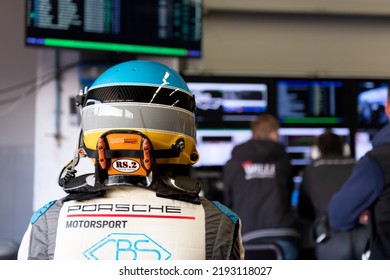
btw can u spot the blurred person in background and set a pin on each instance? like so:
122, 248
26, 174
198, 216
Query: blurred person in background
330, 168
365, 196
258, 185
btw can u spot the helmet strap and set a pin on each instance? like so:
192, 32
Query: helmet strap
127, 158
69, 169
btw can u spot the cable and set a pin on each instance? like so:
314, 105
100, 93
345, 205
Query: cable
16, 100
21, 85
33, 81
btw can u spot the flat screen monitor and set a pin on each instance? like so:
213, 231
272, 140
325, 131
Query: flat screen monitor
313, 102
215, 145
225, 103
371, 99
299, 142
164, 27
363, 141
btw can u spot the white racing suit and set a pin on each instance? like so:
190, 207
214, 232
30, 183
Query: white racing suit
132, 224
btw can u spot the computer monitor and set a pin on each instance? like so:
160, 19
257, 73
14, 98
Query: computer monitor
371, 99
363, 141
169, 28
312, 101
215, 145
228, 101
299, 142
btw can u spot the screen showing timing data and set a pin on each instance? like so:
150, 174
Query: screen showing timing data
316, 102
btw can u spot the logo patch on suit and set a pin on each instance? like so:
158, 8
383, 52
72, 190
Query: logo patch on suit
127, 246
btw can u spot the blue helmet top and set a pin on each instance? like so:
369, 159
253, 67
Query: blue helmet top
141, 72
147, 97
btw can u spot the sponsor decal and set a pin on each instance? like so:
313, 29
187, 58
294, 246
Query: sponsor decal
258, 170
126, 210
95, 224
123, 207
127, 246
130, 140
125, 165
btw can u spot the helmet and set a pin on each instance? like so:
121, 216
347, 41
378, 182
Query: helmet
144, 99
138, 126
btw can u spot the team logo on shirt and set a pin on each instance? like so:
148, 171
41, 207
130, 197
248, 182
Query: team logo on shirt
126, 246
258, 170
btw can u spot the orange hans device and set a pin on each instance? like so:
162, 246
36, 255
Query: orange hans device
121, 145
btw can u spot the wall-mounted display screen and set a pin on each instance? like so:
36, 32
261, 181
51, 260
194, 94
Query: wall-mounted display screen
228, 103
299, 142
215, 145
371, 99
164, 27
363, 141
311, 101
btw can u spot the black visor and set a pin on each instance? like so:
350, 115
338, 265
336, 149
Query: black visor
142, 94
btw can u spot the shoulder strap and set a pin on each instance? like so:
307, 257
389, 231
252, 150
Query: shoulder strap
44, 231
222, 232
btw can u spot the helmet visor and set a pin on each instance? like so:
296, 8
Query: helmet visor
143, 94
138, 116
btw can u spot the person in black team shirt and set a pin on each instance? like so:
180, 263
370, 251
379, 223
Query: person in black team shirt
331, 167
258, 184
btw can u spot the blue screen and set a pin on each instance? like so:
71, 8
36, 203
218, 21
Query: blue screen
371, 99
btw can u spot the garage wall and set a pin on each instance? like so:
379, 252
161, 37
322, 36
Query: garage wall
17, 113
295, 38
